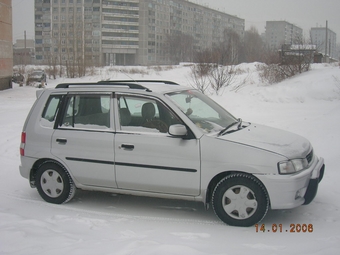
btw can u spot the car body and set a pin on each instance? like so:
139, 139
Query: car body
160, 139
36, 76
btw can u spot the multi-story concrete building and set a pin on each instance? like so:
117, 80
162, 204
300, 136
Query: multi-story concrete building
279, 33
117, 32
6, 49
67, 31
319, 37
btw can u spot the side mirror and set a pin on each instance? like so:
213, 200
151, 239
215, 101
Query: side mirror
178, 130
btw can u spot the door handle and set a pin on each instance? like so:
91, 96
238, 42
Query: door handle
61, 140
127, 146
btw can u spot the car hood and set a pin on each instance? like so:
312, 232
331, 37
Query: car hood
270, 139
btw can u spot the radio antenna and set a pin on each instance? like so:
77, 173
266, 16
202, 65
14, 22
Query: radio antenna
127, 75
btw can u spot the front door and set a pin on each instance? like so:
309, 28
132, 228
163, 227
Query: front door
149, 159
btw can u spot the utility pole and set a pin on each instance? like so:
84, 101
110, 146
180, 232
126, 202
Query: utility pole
326, 41
25, 52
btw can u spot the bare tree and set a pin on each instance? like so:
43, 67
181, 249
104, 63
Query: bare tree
215, 65
221, 77
254, 46
199, 79
227, 52
52, 69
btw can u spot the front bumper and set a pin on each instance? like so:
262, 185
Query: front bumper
313, 185
290, 191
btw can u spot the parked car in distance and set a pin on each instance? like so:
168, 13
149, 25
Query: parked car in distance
36, 76
160, 139
17, 78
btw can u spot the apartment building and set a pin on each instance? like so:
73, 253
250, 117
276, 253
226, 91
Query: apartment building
161, 19
325, 41
117, 32
6, 49
279, 33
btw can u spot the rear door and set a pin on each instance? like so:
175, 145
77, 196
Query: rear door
84, 139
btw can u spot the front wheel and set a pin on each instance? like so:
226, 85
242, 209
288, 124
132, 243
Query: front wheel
54, 183
240, 200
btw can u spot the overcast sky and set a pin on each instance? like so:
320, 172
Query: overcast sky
303, 13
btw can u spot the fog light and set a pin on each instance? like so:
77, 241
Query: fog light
300, 193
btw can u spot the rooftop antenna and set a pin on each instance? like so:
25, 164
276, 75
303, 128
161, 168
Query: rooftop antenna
128, 76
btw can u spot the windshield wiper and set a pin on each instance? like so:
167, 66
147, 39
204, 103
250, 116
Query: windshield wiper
224, 130
239, 124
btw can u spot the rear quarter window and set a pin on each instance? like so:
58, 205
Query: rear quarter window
87, 112
50, 111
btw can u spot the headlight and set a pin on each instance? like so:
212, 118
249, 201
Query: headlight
292, 166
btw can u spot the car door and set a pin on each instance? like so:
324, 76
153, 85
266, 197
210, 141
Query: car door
147, 158
84, 139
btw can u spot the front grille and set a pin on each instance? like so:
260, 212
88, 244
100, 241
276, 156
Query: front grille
309, 157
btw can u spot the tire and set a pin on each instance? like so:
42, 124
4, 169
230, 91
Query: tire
54, 183
240, 200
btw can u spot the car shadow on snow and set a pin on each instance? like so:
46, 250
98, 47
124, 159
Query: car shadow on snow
170, 209
139, 206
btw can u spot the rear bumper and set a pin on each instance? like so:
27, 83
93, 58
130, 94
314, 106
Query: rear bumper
26, 166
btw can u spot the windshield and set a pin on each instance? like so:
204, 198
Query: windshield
203, 111
37, 73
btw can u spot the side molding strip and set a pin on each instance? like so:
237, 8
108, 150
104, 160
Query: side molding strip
189, 170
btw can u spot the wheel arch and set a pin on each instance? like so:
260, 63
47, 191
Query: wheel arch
217, 178
39, 163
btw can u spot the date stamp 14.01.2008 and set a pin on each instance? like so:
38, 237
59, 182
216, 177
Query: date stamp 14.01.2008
280, 228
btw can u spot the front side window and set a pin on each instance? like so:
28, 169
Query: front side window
201, 110
143, 114
87, 112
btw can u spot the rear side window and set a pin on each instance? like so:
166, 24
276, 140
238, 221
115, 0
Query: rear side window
50, 111
87, 112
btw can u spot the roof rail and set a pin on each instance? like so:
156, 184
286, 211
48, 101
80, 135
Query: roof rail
67, 85
141, 81
105, 83
132, 84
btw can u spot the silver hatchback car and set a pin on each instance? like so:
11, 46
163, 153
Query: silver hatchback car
160, 139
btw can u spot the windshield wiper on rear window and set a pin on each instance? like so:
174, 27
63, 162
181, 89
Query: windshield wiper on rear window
224, 130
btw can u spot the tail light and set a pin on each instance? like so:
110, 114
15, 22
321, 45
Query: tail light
22, 145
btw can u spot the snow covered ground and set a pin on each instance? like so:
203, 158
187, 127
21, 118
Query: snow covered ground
103, 223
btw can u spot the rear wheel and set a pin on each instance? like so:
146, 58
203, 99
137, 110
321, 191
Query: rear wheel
54, 183
240, 200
